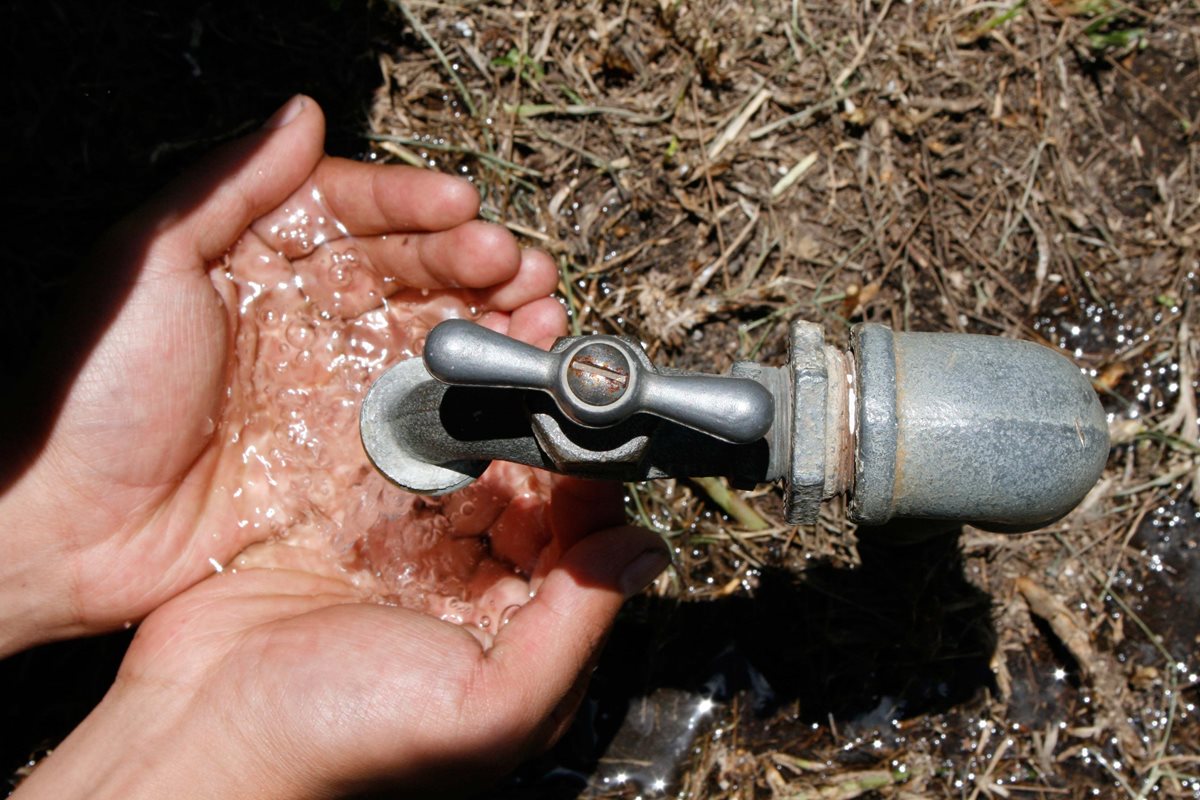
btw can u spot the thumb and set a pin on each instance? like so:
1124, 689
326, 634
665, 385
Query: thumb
539, 658
580, 507
205, 212
577, 509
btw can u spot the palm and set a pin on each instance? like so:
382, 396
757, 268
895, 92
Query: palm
144, 439
212, 425
217, 409
380, 693
319, 670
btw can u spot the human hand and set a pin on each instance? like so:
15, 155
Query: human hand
235, 324
281, 683
218, 410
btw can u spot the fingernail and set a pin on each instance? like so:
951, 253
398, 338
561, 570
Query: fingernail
288, 112
641, 571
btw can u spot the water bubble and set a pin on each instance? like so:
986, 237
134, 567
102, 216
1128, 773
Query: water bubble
300, 335
292, 415
340, 273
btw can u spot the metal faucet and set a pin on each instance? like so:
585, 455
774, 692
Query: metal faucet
1005, 434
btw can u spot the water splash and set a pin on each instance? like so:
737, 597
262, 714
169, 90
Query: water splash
316, 323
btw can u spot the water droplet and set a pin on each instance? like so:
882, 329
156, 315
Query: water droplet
300, 335
340, 273
508, 613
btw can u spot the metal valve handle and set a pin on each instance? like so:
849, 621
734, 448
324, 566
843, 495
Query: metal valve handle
600, 381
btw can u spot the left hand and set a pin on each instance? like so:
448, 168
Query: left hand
216, 410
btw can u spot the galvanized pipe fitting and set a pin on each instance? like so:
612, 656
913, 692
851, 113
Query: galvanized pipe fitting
994, 431
1005, 434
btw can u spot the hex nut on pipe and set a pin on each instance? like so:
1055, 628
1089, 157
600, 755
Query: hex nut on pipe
806, 475
1004, 434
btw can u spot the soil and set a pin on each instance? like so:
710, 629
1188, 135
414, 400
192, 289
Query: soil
705, 171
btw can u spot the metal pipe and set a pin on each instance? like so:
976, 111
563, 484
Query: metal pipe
1001, 433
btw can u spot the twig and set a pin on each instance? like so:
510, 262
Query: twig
1036, 160
401, 152
731, 504
525, 230
707, 171
735, 127
707, 273
619, 163
526, 110
794, 174
801, 117
437, 51
855, 62
1043, 259
454, 148
1163, 480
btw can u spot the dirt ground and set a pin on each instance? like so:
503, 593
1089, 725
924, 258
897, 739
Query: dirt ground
705, 172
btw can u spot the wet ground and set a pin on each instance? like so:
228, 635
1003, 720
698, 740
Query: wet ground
1053, 198
876, 676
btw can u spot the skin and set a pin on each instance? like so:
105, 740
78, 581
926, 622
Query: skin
280, 681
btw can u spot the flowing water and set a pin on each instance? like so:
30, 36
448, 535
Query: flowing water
316, 323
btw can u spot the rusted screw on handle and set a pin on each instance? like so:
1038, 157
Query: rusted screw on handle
598, 374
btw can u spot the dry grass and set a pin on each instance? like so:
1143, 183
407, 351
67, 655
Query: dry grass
704, 171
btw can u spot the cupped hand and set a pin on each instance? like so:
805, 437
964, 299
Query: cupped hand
265, 289
281, 683
205, 463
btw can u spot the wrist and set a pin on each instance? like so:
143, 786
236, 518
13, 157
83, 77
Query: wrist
35, 587
152, 742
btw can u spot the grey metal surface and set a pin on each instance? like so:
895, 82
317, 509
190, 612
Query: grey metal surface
598, 374
735, 410
1005, 434
390, 403
876, 430
806, 477
777, 381
993, 431
462, 353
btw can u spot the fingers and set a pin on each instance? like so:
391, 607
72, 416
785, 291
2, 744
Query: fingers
214, 204
538, 657
349, 277
538, 322
369, 199
417, 202
536, 277
577, 508
603, 502
473, 255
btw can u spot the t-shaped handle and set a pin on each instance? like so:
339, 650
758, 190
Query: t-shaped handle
599, 381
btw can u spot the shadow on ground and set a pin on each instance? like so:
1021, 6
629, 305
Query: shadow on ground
903, 634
